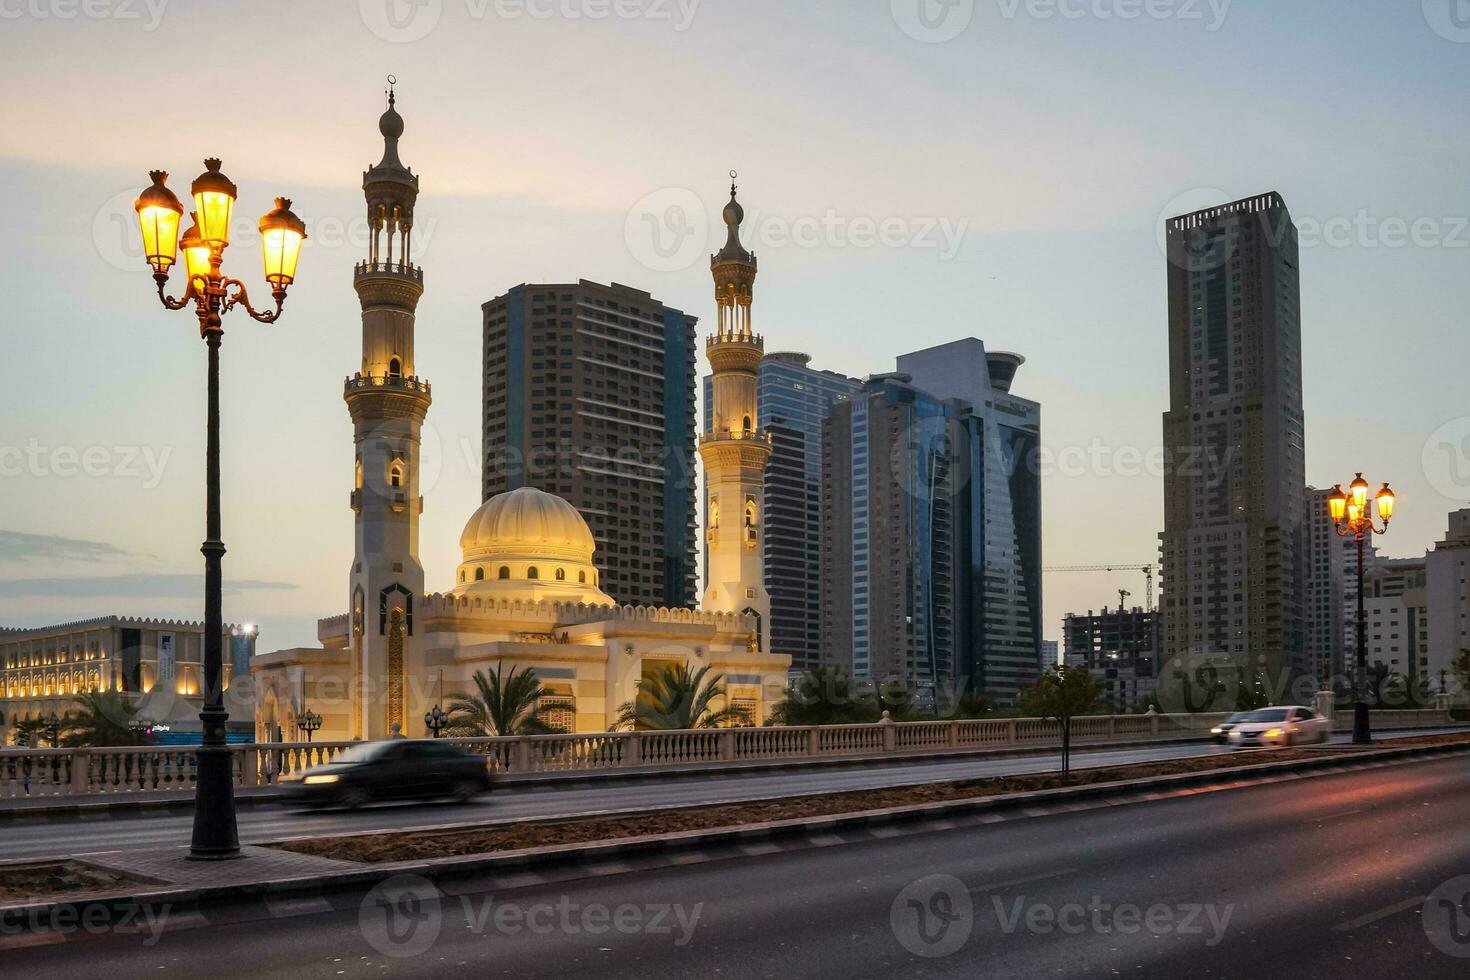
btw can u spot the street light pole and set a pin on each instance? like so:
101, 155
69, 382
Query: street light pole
1352, 514
215, 835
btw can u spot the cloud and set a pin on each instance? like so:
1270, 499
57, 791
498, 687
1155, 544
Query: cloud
14, 544
128, 587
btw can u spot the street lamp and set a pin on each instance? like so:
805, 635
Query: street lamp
213, 295
1352, 515
53, 729
309, 722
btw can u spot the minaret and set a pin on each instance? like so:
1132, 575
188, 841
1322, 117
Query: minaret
734, 448
388, 403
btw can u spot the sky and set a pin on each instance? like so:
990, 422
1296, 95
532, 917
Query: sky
913, 172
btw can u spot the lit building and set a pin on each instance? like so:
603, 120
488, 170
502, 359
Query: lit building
1118, 647
1233, 440
1331, 589
528, 592
931, 531
794, 399
154, 661
589, 394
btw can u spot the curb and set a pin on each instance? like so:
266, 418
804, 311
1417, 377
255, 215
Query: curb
195, 900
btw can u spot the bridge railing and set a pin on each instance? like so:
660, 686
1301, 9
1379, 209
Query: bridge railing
153, 769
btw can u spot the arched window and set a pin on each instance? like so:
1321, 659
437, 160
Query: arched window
461, 574
357, 476
746, 423
533, 572
395, 368
582, 577
395, 476
479, 575
504, 572
561, 574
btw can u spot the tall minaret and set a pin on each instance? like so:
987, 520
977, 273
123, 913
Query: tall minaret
734, 447
388, 402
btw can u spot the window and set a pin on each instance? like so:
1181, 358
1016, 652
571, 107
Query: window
395, 476
533, 572
395, 368
561, 574
479, 575
582, 577
504, 572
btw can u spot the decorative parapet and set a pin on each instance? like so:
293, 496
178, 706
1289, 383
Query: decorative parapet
332, 626
445, 604
107, 622
407, 270
384, 382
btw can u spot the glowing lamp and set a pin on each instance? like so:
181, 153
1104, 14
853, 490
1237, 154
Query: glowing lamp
1354, 515
214, 200
281, 234
1337, 504
196, 253
1359, 489
158, 218
1384, 499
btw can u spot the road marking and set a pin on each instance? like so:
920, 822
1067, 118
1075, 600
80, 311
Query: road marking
1371, 917
1345, 813
997, 886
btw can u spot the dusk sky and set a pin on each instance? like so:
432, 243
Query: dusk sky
995, 168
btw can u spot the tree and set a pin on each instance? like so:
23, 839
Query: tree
824, 696
1461, 668
101, 718
28, 730
672, 699
1059, 695
502, 704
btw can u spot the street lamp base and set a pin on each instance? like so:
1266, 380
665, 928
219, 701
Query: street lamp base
215, 835
1362, 734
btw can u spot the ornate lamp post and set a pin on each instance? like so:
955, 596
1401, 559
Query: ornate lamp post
213, 295
1352, 515
53, 729
309, 722
436, 719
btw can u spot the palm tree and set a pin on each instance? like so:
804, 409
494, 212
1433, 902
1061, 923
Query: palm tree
503, 704
101, 718
824, 695
673, 699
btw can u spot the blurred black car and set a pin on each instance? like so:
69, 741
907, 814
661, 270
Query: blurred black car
397, 769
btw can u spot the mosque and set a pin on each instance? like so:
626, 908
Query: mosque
526, 592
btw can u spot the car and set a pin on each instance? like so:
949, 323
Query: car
395, 769
1221, 732
1283, 726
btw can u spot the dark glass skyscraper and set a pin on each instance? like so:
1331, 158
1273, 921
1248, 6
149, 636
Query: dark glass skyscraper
589, 394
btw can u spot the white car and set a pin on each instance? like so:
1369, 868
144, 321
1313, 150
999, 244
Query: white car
1279, 726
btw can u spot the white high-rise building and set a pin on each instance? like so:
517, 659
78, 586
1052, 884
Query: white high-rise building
1449, 595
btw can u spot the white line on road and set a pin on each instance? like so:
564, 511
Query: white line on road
1371, 917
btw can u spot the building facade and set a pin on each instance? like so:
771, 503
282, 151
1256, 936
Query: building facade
794, 399
1330, 583
1448, 585
589, 394
156, 662
931, 532
1396, 606
1234, 440
1119, 647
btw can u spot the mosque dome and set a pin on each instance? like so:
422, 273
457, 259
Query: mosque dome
530, 543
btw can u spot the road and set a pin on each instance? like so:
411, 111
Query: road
61, 836
1321, 877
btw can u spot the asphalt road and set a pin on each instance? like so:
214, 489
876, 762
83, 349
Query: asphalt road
1321, 877
70, 836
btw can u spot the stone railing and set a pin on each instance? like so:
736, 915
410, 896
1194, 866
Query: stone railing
150, 769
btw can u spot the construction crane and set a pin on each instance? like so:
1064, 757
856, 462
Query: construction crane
1146, 569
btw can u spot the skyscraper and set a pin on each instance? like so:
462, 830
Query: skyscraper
794, 399
931, 532
1232, 547
589, 394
